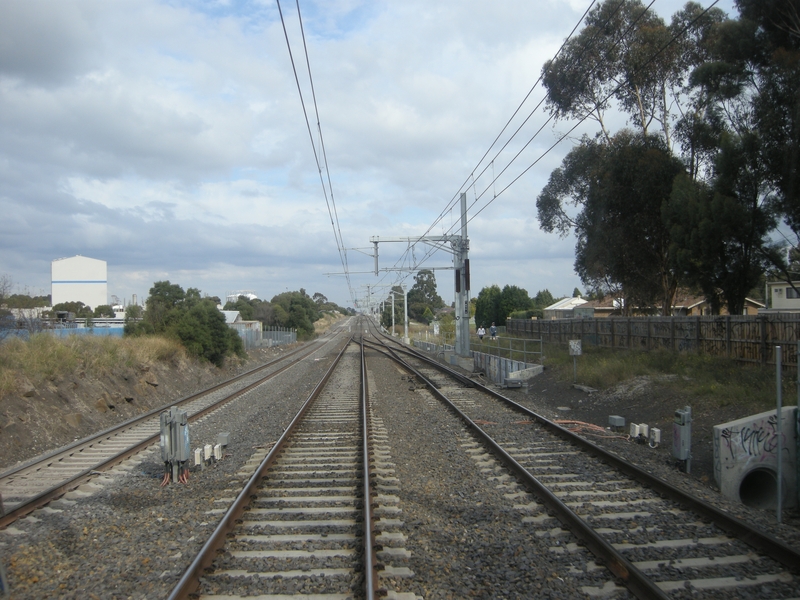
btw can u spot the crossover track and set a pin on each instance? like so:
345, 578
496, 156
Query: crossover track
301, 524
654, 539
34, 484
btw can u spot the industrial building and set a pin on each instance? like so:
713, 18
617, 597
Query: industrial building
79, 279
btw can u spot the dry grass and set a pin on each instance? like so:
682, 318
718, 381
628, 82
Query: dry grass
718, 380
324, 323
45, 357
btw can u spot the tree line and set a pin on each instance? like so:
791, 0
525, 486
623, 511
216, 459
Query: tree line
196, 321
187, 315
423, 301
492, 304
690, 193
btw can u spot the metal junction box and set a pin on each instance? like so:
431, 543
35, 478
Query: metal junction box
175, 436
682, 434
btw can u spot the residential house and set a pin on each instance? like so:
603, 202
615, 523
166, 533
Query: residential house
563, 309
784, 297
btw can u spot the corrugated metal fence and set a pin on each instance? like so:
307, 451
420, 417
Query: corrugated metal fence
744, 338
272, 336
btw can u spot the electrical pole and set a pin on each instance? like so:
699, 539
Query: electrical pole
406, 339
459, 247
461, 266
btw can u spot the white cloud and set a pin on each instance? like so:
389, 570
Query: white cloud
167, 138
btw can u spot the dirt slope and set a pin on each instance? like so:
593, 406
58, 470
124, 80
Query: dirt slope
40, 419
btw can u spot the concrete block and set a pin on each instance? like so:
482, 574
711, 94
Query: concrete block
528, 373
745, 459
616, 421
223, 438
512, 383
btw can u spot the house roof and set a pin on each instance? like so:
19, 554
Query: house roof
682, 300
231, 316
566, 304
687, 301
607, 303
774, 283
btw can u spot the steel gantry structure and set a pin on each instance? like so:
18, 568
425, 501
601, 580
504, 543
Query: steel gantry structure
458, 246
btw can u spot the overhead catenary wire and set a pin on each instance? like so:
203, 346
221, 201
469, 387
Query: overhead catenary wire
331, 204
491, 185
491, 164
586, 116
585, 49
448, 208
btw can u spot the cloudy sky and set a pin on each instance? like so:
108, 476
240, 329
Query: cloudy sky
168, 139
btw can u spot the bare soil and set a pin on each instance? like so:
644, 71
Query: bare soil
639, 400
44, 418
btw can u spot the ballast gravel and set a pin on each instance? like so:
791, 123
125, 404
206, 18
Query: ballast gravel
464, 525
122, 536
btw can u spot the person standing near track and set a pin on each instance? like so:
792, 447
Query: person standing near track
481, 332
493, 332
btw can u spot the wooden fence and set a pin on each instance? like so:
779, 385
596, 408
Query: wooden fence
745, 338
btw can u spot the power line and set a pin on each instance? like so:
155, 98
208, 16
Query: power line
586, 116
519, 128
452, 202
560, 139
331, 205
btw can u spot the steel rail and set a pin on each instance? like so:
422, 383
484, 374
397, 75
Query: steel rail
190, 580
370, 555
637, 582
755, 538
143, 417
76, 480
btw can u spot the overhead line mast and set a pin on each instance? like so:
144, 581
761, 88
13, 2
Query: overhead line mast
459, 247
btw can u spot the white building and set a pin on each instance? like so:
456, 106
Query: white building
79, 279
563, 308
234, 296
784, 296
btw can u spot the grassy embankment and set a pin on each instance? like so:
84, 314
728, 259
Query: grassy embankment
45, 358
718, 380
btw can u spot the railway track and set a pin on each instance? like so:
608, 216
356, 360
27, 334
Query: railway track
38, 482
651, 539
495, 509
301, 525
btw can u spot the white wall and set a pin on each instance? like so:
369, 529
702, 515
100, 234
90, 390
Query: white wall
79, 279
779, 292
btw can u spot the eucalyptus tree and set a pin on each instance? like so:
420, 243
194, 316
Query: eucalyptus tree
627, 57
619, 190
744, 121
487, 306
423, 295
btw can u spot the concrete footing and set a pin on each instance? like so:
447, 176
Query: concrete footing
499, 370
461, 362
745, 459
